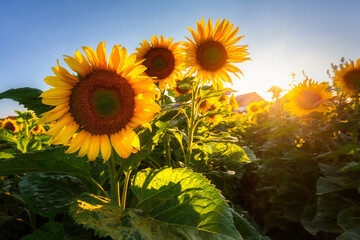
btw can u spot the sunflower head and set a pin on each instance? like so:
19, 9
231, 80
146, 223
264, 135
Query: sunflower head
212, 52
307, 97
233, 102
215, 119
163, 59
347, 77
180, 89
256, 107
208, 104
38, 129
102, 105
11, 125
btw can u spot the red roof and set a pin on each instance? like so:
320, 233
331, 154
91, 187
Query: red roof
245, 99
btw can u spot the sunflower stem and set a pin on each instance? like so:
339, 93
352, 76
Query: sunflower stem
115, 191
191, 126
167, 149
356, 129
125, 188
166, 136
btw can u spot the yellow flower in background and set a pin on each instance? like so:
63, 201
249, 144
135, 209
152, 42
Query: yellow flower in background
102, 105
38, 129
212, 51
163, 59
256, 107
209, 104
11, 125
180, 91
214, 119
348, 77
307, 97
233, 102
224, 99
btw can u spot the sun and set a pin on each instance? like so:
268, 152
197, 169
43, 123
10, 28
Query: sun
212, 52
98, 109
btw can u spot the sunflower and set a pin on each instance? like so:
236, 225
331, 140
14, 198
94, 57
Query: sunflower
233, 102
11, 125
214, 119
163, 59
38, 129
180, 90
102, 105
348, 77
208, 104
256, 107
211, 54
307, 97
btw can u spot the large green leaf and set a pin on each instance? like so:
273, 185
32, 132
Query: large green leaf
29, 97
349, 218
51, 230
351, 234
184, 198
49, 194
52, 160
107, 219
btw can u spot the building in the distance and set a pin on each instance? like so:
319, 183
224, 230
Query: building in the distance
244, 100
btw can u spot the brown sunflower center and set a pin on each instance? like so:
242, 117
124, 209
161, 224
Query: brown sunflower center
308, 99
211, 55
160, 62
182, 90
102, 103
10, 126
254, 108
352, 79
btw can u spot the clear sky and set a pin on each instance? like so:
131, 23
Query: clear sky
284, 37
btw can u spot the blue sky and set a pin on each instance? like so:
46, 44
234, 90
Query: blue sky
284, 37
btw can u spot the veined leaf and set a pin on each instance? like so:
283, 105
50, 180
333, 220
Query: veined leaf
51, 230
52, 160
49, 194
107, 219
184, 198
29, 97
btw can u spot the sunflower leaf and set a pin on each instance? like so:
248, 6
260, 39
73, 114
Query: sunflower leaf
52, 160
183, 198
49, 194
51, 230
29, 97
107, 219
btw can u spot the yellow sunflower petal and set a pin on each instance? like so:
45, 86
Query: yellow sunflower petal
105, 147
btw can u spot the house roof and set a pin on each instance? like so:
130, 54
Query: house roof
244, 99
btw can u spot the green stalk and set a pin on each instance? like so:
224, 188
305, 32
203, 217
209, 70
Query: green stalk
125, 188
191, 126
115, 191
356, 129
167, 149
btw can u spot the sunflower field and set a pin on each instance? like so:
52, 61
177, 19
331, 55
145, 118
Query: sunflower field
151, 145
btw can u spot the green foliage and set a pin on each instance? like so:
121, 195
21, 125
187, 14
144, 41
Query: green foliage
110, 220
49, 194
52, 160
51, 230
182, 197
29, 97
175, 203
